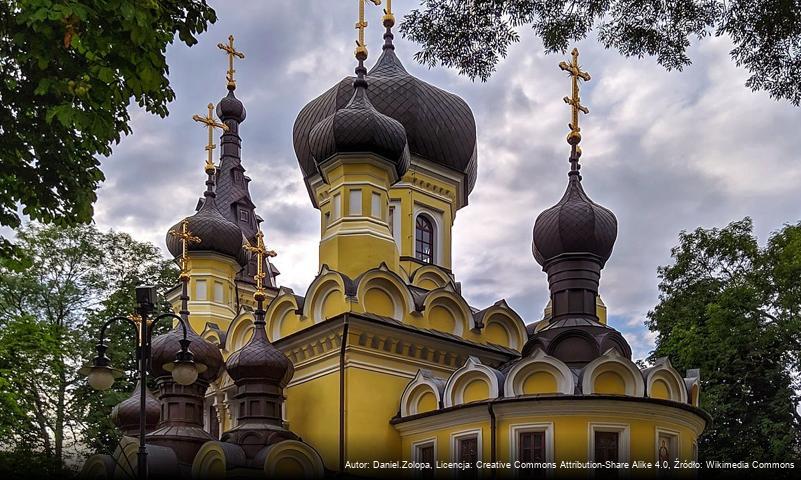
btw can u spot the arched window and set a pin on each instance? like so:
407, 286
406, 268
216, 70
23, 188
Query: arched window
424, 239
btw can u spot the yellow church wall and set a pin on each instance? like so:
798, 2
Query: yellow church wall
475, 390
571, 432
427, 402
378, 302
659, 389
441, 318
355, 238
610, 382
539, 383
418, 192
312, 410
495, 333
372, 399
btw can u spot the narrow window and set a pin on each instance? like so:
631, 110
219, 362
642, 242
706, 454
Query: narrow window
375, 205
424, 454
218, 292
467, 453
214, 424
531, 447
355, 202
606, 446
336, 208
244, 215
391, 220
424, 239
200, 290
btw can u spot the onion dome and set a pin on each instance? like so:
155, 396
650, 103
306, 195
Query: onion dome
216, 233
164, 348
260, 361
125, 414
439, 125
230, 108
575, 224
359, 127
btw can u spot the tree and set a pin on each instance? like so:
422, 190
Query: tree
474, 35
50, 315
68, 71
732, 309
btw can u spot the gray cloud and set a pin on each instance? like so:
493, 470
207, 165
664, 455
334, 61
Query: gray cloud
666, 151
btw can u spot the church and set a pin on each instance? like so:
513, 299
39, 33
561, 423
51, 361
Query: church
381, 360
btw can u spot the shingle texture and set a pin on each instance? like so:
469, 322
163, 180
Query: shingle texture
575, 224
359, 127
439, 125
125, 414
164, 348
216, 233
260, 361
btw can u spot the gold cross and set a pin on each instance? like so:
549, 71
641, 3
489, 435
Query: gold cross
232, 52
576, 74
361, 47
209, 122
186, 237
261, 251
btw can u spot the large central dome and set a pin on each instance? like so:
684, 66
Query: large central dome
439, 125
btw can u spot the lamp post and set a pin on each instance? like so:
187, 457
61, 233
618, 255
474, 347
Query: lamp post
184, 369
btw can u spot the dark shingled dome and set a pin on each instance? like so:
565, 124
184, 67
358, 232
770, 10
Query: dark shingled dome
439, 125
125, 414
216, 234
230, 108
259, 360
360, 128
575, 224
165, 347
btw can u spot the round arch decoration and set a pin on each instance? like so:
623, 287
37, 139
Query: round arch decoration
537, 362
391, 285
663, 371
423, 382
613, 361
453, 303
471, 371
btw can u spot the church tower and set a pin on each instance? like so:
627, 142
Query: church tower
441, 134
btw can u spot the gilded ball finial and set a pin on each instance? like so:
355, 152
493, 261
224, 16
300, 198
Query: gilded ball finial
361, 25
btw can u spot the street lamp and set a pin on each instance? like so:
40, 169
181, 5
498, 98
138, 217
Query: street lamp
101, 374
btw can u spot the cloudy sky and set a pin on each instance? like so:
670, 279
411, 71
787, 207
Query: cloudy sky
666, 151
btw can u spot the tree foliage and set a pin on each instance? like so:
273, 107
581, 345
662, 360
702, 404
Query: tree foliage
68, 71
474, 35
50, 315
733, 309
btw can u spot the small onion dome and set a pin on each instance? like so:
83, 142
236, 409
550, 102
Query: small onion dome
165, 347
440, 126
216, 233
230, 108
359, 127
125, 414
575, 225
260, 361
